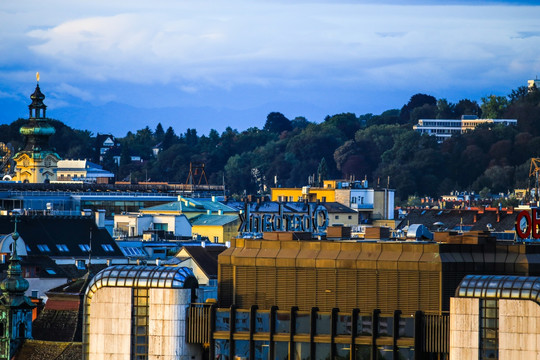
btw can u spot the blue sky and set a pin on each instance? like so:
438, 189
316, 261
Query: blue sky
114, 66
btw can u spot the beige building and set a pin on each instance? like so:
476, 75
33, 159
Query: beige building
139, 312
496, 316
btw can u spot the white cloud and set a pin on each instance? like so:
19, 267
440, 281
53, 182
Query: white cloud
209, 44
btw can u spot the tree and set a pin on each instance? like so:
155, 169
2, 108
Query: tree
467, 107
277, 123
493, 106
159, 133
445, 110
416, 100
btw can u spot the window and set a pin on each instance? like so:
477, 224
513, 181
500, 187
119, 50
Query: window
353, 200
489, 329
81, 264
324, 199
161, 226
62, 247
35, 293
28, 248
84, 247
350, 217
50, 271
337, 217
107, 247
139, 323
43, 248
216, 239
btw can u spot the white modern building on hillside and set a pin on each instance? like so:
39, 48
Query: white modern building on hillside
445, 128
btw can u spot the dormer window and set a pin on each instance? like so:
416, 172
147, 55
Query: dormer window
107, 247
62, 247
43, 248
84, 247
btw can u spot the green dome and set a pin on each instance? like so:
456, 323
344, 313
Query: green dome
37, 129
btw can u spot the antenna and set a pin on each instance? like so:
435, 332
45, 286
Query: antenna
90, 251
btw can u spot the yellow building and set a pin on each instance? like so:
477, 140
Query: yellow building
217, 228
36, 163
311, 194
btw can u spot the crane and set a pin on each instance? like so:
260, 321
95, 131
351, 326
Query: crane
534, 170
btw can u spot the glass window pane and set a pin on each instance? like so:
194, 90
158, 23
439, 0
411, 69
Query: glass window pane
242, 321
262, 350
281, 350
241, 349
322, 351
221, 349
363, 352
283, 322
303, 323
302, 351
343, 351
364, 326
262, 322
344, 324
323, 324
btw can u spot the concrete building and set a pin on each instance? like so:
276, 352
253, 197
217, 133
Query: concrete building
216, 228
495, 317
370, 203
445, 128
129, 225
139, 312
82, 171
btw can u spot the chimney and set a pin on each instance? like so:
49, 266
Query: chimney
100, 218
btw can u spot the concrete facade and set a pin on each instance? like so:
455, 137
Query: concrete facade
167, 326
110, 324
464, 328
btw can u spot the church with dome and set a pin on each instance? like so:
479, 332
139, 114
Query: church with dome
36, 162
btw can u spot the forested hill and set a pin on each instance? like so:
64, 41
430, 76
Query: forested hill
290, 151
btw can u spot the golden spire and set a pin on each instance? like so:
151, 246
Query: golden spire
37, 76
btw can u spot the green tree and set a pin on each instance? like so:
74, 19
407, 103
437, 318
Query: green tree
277, 123
493, 107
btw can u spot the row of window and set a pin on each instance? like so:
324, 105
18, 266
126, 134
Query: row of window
64, 248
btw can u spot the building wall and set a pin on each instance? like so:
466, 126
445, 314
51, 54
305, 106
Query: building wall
167, 325
110, 333
209, 231
464, 328
345, 219
110, 324
343, 196
519, 329
383, 204
295, 194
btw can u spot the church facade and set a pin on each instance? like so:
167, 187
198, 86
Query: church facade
36, 162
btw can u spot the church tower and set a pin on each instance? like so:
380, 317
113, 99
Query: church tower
36, 162
15, 307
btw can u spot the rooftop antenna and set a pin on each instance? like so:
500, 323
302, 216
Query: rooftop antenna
90, 251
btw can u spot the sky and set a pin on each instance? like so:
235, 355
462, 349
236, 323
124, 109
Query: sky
117, 66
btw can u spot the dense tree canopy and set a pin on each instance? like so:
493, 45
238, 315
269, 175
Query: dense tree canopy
380, 148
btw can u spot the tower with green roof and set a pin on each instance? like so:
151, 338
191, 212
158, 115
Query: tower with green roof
15, 307
36, 162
